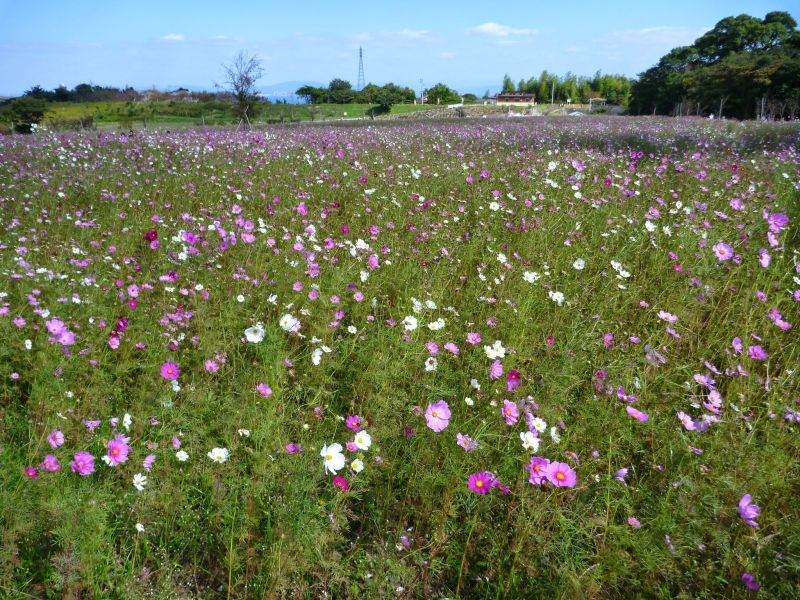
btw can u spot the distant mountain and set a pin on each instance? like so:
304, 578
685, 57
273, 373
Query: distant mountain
285, 90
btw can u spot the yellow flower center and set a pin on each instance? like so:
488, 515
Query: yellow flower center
434, 414
115, 452
479, 484
330, 457
560, 476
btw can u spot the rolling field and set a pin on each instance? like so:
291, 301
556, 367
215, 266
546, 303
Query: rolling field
497, 359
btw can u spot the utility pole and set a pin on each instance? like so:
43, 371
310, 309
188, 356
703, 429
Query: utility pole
553, 92
421, 92
360, 82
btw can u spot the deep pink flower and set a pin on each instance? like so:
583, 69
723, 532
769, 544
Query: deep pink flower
83, 464
480, 483
293, 448
354, 423
31, 473
170, 370
340, 483
264, 390
512, 380
757, 353
561, 475
437, 416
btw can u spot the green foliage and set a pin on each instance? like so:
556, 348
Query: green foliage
441, 94
24, 112
340, 91
744, 67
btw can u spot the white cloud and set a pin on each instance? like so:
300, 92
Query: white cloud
173, 37
497, 30
672, 36
402, 35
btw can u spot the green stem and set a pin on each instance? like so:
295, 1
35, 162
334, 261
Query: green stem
464, 554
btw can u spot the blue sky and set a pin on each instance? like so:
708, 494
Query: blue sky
469, 44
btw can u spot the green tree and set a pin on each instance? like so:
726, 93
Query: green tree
26, 111
441, 94
508, 85
240, 77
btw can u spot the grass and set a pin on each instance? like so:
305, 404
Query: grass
127, 115
446, 221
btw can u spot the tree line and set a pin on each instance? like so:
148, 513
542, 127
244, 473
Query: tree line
549, 87
743, 68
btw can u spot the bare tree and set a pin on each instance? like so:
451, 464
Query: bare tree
241, 75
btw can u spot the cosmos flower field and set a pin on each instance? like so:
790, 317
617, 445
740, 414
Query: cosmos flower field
483, 359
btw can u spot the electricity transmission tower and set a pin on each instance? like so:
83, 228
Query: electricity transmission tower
360, 83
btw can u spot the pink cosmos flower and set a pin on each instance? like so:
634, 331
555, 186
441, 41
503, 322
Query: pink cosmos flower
264, 390
466, 442
495, 370
437, 416
452, 348
118, 450
480, 483
55, 439
210, 366
50, 463
538, 468
82, 464
31, 473
148, 461
473, 338
749, 512
561, 475
293, 448
634, 522
170, 370
510, 412
686, 421
757, 352
723, 251
637, 414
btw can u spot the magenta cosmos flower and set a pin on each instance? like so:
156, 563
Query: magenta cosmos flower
340, 483
170, 370
437, 416
561, 475
83, 464
354, 423
749, 512
512, 380
480, 483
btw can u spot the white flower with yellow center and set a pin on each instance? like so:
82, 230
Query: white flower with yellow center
332, 458
363, 440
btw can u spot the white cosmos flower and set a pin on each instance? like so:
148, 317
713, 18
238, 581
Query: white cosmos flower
437, 324
410, 323
556, 297
363, 440
139, 481
357, 465
530, 276
289, 323
650, 226
539, 424
431, 364
140, 528
332, 457
219, 455
529, 441
254, 334
127, 421
495, 351
554, 434
494, 206
579, 264
182, 455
